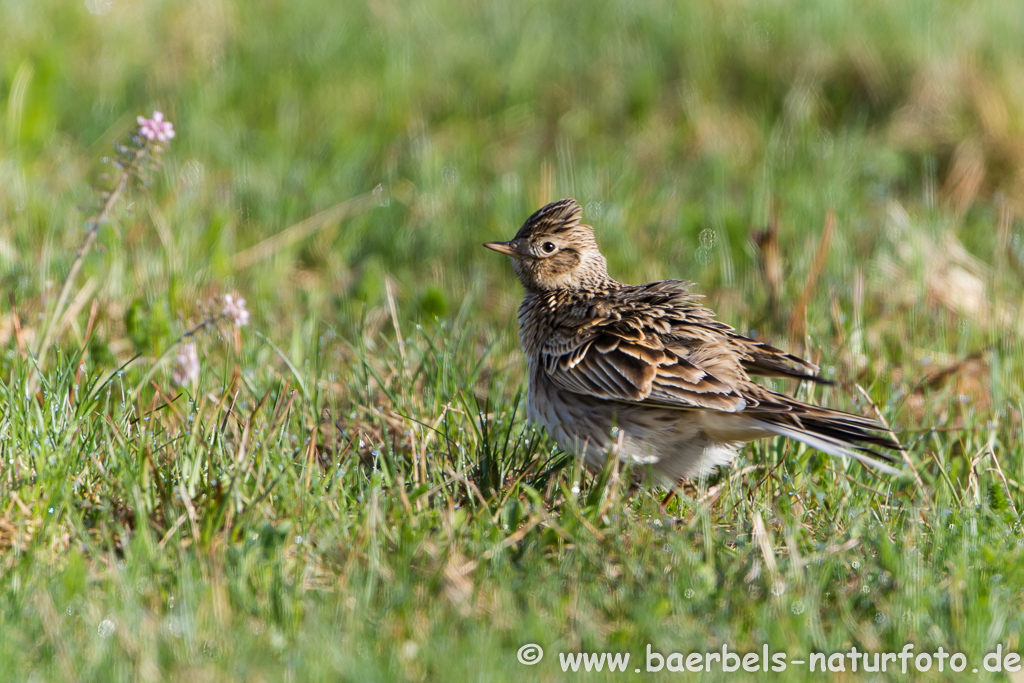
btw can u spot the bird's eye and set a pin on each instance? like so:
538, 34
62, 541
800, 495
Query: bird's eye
548, 247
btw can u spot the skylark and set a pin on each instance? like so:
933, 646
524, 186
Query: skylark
646, 373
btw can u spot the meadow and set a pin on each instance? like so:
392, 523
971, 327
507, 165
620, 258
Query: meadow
348, 488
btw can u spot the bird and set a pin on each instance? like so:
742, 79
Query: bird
647, 374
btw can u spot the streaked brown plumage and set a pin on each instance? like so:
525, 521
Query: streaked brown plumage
646, 371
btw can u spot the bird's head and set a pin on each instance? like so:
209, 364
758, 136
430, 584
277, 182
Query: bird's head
553, 250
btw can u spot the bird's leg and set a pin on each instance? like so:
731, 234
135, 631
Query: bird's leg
686, 486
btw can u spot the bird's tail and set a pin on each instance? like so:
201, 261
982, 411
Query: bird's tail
837, 433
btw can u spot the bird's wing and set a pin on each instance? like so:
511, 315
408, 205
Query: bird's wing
653, 344
656, 345
764, 360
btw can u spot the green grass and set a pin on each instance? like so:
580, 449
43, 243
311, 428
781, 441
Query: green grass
351, 490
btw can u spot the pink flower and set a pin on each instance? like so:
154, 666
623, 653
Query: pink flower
234, 310
186, 371
156, 128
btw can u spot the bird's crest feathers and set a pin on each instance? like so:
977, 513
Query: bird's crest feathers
553, 219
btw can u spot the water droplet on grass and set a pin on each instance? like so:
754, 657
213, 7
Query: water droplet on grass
106, 628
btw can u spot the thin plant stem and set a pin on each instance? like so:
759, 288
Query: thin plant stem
91, 232
173, 345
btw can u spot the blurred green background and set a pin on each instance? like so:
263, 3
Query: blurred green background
681, 127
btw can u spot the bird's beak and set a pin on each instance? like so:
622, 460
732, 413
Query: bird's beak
507, 248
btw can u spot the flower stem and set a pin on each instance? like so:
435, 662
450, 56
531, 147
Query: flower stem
206, 322
92, 230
